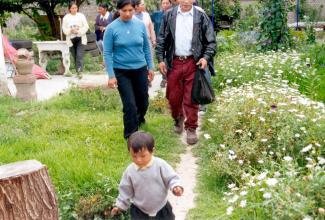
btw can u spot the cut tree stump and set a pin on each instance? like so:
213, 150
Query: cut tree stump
26, 192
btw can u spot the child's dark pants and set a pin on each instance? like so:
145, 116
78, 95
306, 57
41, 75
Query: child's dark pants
166, 213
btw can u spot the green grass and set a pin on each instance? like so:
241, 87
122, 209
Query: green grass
78, 136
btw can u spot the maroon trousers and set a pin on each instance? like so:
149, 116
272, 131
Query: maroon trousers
179, 91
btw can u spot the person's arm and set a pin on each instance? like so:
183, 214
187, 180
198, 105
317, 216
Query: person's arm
152, 32
161, 44
126, 192
210, 38
160, 47
108, 42
97, 22
84, 28
65, 26
171, 179
146, 48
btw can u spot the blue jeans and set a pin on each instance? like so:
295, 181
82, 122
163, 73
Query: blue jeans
133, 88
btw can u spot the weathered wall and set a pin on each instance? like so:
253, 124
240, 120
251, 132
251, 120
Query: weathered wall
318, 4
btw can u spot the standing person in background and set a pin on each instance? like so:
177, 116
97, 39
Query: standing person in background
75, 26
140, 13
186, 41
103, 19
129, 65
158, 15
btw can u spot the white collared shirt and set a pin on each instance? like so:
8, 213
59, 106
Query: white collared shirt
105, 17
184, 32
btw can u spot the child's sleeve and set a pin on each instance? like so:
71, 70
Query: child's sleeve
125, 192
170, 177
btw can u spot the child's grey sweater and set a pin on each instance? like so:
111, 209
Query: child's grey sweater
147, 188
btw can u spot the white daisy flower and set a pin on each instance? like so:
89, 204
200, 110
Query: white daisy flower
267, 195
271, 181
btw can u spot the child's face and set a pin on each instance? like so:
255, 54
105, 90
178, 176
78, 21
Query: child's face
142, 157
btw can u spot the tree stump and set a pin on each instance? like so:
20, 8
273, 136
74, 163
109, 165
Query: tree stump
26, 192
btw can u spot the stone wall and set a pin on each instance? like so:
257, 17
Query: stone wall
318, 4
90, 11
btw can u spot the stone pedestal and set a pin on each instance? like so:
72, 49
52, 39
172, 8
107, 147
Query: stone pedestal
25, 85
24, 79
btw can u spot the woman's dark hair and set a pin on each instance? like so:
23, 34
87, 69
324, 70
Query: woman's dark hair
170, 1
103, 5
141, 140
137, 2
121, 3
71, 4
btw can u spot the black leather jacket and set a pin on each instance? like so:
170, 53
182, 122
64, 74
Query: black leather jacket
203, 42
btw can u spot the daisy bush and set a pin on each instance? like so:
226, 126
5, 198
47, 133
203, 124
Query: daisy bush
236, 69
267, 140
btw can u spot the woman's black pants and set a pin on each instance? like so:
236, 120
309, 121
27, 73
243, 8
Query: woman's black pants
133, 88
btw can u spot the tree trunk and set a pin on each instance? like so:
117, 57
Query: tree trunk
55, 29
3, 77
26, 192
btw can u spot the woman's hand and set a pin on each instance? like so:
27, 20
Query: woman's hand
115, 211
112, 83
178, 191
151, 75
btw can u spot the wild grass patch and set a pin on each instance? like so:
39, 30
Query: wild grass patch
78, 136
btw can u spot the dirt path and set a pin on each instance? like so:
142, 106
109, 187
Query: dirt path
186, 169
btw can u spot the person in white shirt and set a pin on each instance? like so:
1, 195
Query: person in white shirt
186, 42
75, 27
140, 13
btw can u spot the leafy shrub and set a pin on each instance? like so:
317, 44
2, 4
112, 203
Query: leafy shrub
271, 151
299, 38
237, 69
226, 42
249, 18
159, 104
273, 25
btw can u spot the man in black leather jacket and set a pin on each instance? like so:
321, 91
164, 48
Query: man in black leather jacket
186, 41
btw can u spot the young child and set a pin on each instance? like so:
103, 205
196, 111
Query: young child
145, 182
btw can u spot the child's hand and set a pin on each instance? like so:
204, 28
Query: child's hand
115, 211
178, 191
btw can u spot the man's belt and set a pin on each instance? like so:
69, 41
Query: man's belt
183, 57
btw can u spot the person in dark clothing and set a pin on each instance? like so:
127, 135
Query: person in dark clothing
103, 19
157, 18
186, 41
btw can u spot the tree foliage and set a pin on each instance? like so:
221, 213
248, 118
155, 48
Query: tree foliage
274, 31
34, 9
223, 10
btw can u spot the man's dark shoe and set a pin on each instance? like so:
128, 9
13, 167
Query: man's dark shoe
79, 69
179, 125
191, 137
